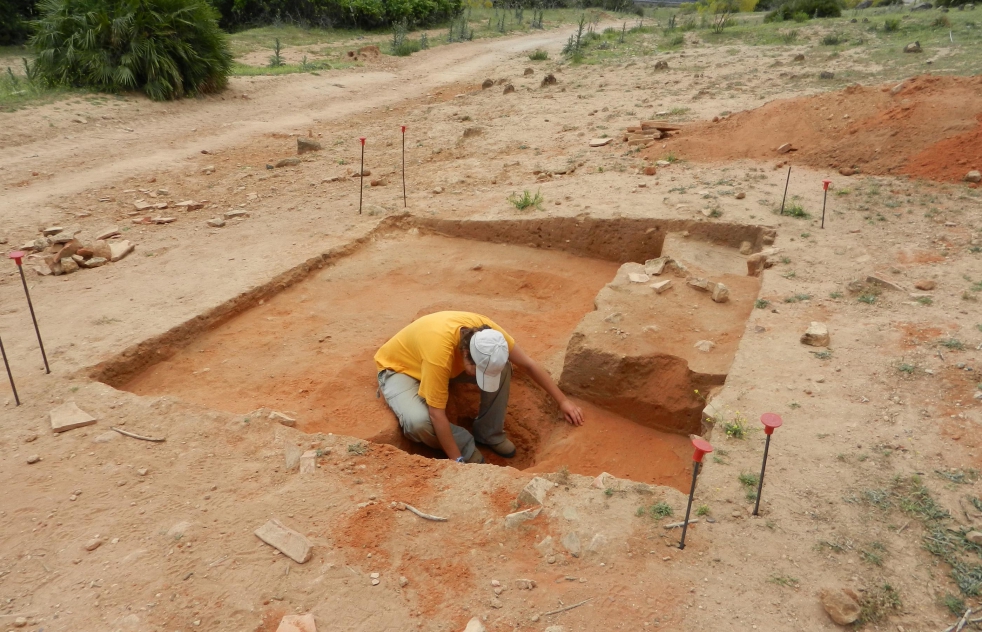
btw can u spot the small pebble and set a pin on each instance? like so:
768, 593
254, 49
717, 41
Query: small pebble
403, 582
142, 471
375, 575
33, 459
93, 544
375, 582
551, 559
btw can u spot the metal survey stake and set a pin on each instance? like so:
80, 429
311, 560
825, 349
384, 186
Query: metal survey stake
405, 204
702, 448
18, 258
771, 422
825, 187
361, 174
787, 182
10, 376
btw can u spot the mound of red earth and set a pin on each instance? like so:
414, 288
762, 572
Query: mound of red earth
927, 127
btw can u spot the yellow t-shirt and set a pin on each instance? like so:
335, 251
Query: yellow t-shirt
426, 350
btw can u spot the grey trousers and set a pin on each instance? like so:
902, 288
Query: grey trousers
401, 393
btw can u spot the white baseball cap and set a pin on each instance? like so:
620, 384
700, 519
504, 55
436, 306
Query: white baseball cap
489, 351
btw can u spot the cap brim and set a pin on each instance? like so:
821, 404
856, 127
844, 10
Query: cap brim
488, 383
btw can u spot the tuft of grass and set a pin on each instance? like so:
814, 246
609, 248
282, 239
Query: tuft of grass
952, 344
784, 580
955, 605
925, 300
891, 25
660, 509
873, 554
358, 449
789, 37
878, 603
796, 210
761, 303
735, 428
526, 200
276, 59
907, 368
962, 477
823, 355
868, 297
702, 510
797, 298
538, 55
835, 295
832, 39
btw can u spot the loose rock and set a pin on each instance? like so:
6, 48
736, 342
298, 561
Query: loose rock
31, 460
740, 195
287, 162
637, 277
841, 604
926, 284
721, 293
548, 80
291, 543
975, 537
699, 284
785, 148
528, 71
118, 250
817, 335
488, 83
512, 520
914, 47
509, 89
297, 623
661, 286
475, 625
93, 544
216, 222
305, 145
661, 65
68, 416
571, 542
534, 493
705, 345
825, 74
973, 176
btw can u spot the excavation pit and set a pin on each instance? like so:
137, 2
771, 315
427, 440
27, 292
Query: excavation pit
303, 344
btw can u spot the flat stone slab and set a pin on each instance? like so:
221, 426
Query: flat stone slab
535, 492
297, 623
512, 520
289, 542
68, 416
600, 142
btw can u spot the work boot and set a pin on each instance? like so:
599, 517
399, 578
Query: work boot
476, 457
505, 449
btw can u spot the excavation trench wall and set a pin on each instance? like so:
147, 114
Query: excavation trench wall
559, 308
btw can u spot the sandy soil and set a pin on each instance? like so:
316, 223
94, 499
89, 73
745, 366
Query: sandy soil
179, 551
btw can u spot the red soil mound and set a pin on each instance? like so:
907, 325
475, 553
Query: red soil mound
931, 128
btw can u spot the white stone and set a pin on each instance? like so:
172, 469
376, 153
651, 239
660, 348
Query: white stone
475, 625
705, 345
534, 492
571, 542
68, 416
308, 462
600, 142
283, 419
636, 277
291, 543
661, 286
120, 249
817, 335
721, 293
973, 176
512, 520
297, 623
654, 267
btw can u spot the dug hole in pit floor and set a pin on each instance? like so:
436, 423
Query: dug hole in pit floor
574, 292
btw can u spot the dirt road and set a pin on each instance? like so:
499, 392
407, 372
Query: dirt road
87, 145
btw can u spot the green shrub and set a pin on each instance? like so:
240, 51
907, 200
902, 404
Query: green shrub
165, 48
832, 39
538, 55
891, 25
801, 10
364, 14
15, 16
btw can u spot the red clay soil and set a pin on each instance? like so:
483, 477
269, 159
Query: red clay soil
931, 128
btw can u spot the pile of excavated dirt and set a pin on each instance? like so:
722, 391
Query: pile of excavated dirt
926, 127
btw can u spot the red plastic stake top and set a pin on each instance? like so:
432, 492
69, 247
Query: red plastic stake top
17, 256
403, 129
771, 422
362, 139
702, 448
825, 184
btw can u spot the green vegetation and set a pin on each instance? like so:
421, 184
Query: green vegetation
363, 14
702, 510
660, 509
761, 303
796, 210
538, 55
797, 298
952, 344
165, 48
358, 449
749, 481
526, 200
878, 603
784, 580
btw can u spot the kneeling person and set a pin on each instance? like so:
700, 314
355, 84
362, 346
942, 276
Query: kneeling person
416, 367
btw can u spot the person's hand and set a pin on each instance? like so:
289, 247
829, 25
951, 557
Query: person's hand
572, 413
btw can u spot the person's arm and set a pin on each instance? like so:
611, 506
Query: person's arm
570, 410
441, 425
